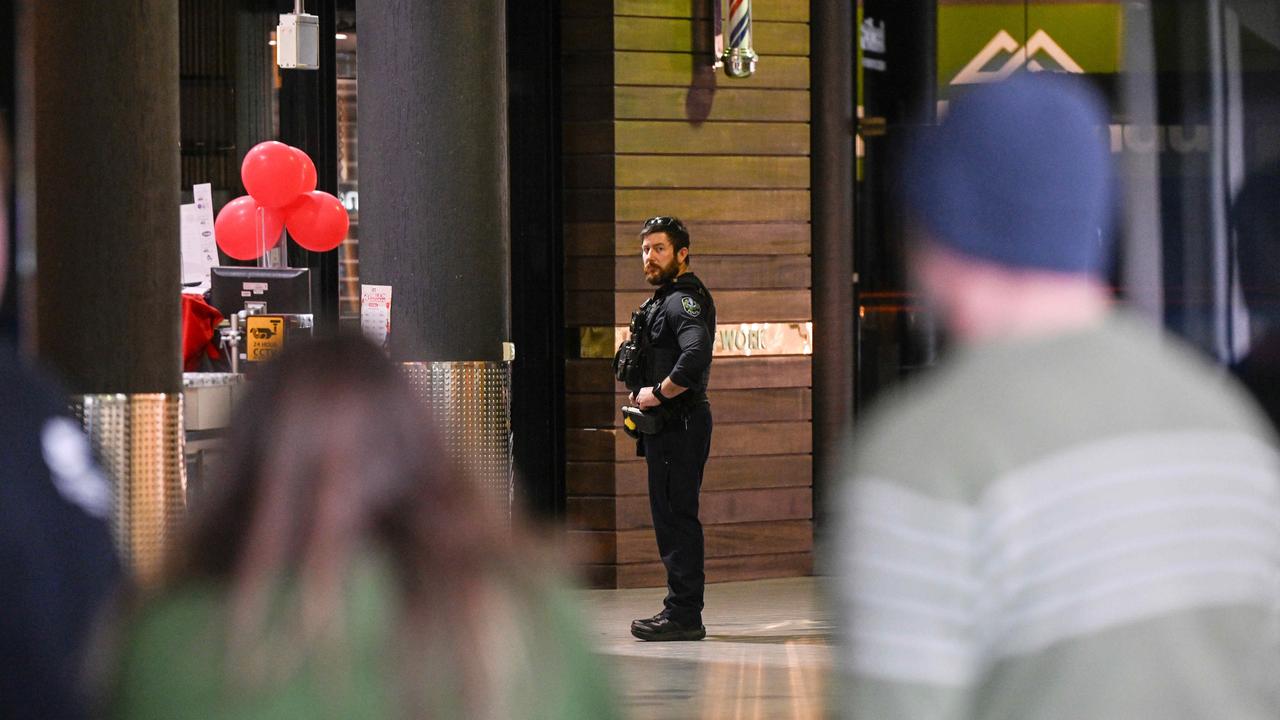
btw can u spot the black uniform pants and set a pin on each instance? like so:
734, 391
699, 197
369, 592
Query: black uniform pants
676, 457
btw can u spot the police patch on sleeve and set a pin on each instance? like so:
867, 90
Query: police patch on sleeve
690, 306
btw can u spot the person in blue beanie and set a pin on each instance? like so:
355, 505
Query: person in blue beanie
1073, 516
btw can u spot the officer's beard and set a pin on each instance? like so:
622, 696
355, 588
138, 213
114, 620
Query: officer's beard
660, 274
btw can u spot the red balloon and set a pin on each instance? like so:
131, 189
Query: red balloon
308, 171
317, 221
236, 229
273, 173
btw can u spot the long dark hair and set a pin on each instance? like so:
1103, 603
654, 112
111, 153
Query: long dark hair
334, 457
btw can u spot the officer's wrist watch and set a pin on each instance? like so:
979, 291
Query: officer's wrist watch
657, 393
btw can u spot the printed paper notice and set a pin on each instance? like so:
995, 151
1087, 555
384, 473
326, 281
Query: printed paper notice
199, 247
375, 314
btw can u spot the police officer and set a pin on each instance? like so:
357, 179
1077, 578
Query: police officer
679, 324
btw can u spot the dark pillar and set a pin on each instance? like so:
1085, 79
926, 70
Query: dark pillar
98, 208
433, 174
99, 118
309, 120
537, 249
831, 28
8, 256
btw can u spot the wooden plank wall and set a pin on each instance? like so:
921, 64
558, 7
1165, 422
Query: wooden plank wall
650, 130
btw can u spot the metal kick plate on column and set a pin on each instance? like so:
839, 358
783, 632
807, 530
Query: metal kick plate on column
139, 440
471, 404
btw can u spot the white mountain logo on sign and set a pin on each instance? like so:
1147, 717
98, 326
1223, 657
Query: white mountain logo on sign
1019, 56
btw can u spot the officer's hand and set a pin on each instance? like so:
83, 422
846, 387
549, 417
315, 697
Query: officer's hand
645, 399
632, 398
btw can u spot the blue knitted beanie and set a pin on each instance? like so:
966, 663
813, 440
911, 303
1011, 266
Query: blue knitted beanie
1019, 174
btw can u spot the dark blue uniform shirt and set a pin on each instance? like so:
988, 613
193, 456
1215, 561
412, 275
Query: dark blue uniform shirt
682, 334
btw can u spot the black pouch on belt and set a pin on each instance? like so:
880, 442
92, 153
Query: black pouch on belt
645, 423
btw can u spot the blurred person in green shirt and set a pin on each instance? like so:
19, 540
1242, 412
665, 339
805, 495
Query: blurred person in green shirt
343, 568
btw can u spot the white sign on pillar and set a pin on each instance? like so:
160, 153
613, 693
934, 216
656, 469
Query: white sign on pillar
375, 314
199, 247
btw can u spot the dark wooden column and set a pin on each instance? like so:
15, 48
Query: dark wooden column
831, 29
433, 174
99, 121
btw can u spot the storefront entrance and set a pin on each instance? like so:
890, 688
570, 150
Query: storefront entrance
1195, 111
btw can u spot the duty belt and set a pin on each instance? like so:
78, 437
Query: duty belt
687, 400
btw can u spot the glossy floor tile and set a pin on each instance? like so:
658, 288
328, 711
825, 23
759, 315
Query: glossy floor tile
766, 655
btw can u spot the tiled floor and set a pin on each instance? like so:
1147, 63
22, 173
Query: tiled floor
766, 655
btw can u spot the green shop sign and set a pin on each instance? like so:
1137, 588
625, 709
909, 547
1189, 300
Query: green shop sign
980, 43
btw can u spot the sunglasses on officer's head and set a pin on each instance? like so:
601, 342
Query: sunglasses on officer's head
663, 223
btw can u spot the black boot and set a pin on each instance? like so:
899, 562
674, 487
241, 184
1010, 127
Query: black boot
640, 622
666, 629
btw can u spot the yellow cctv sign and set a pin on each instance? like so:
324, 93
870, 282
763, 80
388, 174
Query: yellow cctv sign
265, 337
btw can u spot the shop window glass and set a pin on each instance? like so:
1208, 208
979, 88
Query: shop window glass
1194, 88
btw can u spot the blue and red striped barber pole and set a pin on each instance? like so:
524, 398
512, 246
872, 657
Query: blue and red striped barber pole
739, 59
